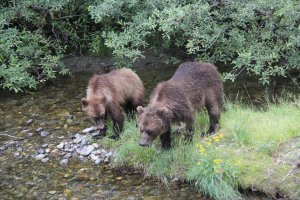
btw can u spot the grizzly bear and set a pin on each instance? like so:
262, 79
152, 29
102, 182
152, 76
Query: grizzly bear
108, 95
193, 86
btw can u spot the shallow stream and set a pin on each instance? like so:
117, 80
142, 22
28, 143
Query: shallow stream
56, 110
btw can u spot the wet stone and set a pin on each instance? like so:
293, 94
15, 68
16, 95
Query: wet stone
96, 145
64, 162
29, 122
2, 148
44, 133
68, 155
24, 131
29, 134
40, 156
41, 151
45, 145
60, 146
44, 160
86, 150
39, 129
47, 150
90, 129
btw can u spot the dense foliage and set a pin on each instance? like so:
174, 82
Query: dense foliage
260, 36
34, 36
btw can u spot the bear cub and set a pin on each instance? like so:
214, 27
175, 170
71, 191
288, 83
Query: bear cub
193, 87
108, 95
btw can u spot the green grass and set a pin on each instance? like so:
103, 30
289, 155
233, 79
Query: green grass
254, 149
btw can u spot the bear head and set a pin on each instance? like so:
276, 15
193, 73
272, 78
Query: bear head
153, 122
95, 109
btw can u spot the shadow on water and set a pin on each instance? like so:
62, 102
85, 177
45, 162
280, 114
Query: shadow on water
56, 108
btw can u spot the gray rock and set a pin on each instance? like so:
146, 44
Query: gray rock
90, 129
28, 122
19, 149
44, 160
60, 146
71, 149
109, 154
2, 148
84, 141
96, 145
97, 152
41, 151
30, 134
98, 161
47, 150
40, 156
94, 157
78, 138
39, 129
86, 150
44, 133
44, 145
107, 160
24, 131
68, 155
64, 162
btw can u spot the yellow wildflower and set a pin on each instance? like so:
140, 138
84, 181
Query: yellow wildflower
208, 143
217, 161
217, 171
216, 138
201, 149
221, 135
198, 163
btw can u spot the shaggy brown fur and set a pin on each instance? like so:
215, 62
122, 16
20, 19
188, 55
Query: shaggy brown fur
109, 94
193, 86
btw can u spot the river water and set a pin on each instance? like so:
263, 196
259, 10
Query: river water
56, 109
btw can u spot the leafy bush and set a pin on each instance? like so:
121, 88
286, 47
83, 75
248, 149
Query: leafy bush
259, 36
34, 35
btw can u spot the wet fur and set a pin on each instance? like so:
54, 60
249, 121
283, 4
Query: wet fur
122, 90
193, 87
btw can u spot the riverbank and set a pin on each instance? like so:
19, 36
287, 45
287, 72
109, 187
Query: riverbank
255, 149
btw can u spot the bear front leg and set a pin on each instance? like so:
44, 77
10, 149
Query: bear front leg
118, 122
166, 139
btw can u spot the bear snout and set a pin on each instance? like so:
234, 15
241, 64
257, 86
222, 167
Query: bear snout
145, 141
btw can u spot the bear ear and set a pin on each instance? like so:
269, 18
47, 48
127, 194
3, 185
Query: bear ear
140, 109
84, 102
164, 111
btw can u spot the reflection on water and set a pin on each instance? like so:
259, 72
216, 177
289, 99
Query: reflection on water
56, 108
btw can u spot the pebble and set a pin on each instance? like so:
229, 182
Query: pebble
86, 150
44, 145
28, 122
44, 160
47, 150
40, 156
61, 145
24, 131
84, 141
41, 151
90, 129
30, 134
69, 121
19, 149
64, 162
94, 157
44, 133
68, 155
39, 129
2, 148
106, 160
78, 139
96, 145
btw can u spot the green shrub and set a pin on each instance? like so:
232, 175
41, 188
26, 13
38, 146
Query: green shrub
259, 36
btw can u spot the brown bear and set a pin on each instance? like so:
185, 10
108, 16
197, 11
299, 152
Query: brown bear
193, 86
108, 95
